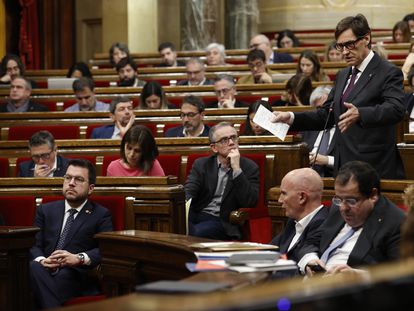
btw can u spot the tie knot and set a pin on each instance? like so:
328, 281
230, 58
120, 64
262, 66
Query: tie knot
355, 71
72, 211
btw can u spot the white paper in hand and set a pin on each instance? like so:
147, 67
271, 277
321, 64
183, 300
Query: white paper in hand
263, 117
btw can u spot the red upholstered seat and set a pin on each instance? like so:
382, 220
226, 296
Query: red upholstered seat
106, 160
4, 167
258, 227
58, 131
170, 163
18, 210
116, 205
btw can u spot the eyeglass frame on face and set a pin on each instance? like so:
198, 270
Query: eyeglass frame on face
349, 45
77, 179
226, 140
224, 91
351, 202
43, 156
189, 115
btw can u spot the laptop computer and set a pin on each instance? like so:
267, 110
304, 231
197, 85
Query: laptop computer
60, 83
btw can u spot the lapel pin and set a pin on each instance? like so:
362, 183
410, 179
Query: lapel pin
88, 211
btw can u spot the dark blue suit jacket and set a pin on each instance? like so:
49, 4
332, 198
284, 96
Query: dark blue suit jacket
92, 219
105, 131
284, 238
178, 131
282, 58
26, 168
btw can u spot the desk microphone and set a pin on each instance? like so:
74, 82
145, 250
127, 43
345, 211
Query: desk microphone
323, 134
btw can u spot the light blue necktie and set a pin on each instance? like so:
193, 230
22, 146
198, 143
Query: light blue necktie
334, 246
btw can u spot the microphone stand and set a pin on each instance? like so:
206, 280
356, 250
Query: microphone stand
330, 109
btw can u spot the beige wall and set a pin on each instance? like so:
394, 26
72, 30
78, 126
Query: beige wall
325, 14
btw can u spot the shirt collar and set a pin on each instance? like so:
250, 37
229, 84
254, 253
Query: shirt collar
365, 62
68, 207
301, 224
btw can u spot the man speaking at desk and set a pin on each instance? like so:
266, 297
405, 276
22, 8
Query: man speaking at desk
365, 104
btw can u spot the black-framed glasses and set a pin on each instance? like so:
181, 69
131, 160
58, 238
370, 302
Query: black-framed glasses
349, 45
43, 156
77, 179
189, 115
226, 140
351, 202
224, 91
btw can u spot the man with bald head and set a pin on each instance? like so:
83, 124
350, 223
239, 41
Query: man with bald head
300, 196
261, 42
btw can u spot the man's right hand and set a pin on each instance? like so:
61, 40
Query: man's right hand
41, 170
314, 266
6, 78
281, 116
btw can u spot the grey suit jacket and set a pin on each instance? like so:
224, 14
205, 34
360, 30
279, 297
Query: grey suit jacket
378, 95
378, 242
243, 191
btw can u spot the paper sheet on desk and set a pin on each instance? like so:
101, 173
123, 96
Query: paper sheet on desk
263, 117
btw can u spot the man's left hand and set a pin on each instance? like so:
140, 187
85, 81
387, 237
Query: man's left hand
344, 269
348, 118
65, 259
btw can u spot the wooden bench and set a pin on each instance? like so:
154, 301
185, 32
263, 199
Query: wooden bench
392, 189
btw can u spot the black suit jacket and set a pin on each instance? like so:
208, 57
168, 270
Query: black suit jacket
26, 169
284, 238
92, 219
309, 137
378, 95
378, 242
237, 104
409, 102
32, 107
243, 191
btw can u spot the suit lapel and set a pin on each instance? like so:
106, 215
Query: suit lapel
212, 176
57, 218
331, 231
341, 83
84, 214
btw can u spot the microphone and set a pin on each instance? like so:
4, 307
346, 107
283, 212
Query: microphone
330, 109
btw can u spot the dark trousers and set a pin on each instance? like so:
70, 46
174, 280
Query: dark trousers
206, 226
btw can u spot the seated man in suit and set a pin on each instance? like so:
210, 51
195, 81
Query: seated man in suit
363, 227
127, 71
225, 89
261, 42
168, 55
220, 184
196, 73
300, 196
45, 159
65, 249
121, 112
321, 143
85, 96
192, 115
259, 72
19, 98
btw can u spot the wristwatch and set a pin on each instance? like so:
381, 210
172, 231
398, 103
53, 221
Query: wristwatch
81, 258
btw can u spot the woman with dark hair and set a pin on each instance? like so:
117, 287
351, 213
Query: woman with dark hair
251, 128
153, 97
287, 39
139, 153
310, 65
79, 70
298, 91
401, 32
12, 66
117, 52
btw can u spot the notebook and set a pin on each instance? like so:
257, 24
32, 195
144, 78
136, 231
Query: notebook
60, 83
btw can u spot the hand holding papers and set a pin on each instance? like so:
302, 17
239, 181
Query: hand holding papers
264, 117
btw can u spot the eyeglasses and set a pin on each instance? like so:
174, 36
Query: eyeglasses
222, 91
83, 97
77, 179
351, 202
257, 64
190, 73
43, 156
349, 45
189, 115
226, 140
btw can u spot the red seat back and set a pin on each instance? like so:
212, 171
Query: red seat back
4, 167
58, 131
106, 161
170, 163
18, 210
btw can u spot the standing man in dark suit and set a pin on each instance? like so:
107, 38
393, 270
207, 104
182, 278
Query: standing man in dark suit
363, 227
367, 102
121, 112
65, 249
300, 196
220, 184
19, 98
45, 159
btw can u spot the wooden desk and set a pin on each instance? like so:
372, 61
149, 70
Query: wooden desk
15, 243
